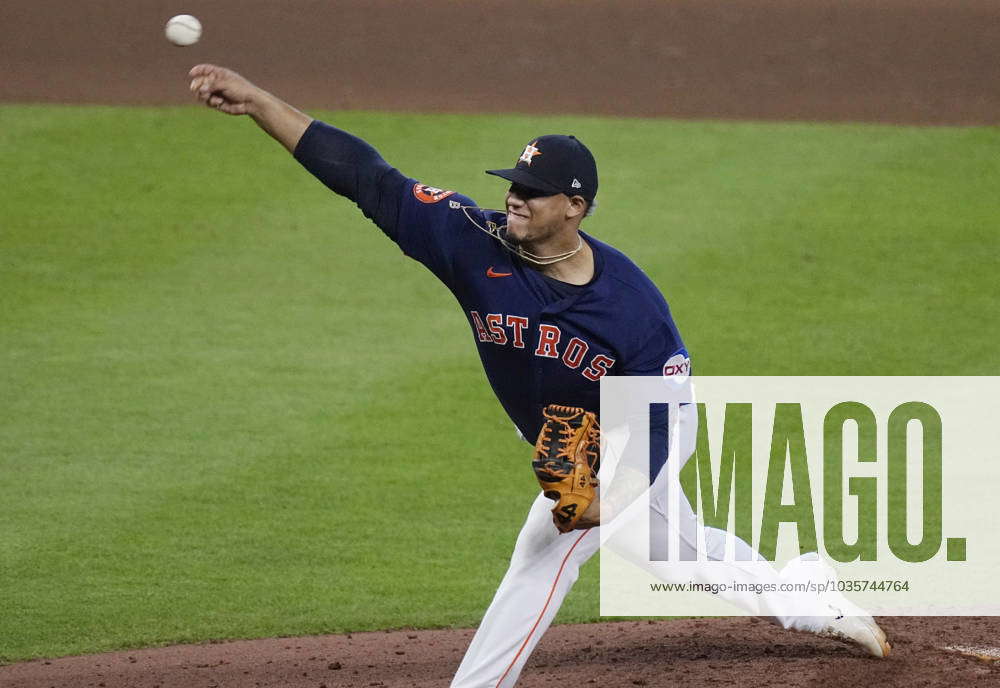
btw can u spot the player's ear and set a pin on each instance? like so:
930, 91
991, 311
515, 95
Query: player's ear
576, 207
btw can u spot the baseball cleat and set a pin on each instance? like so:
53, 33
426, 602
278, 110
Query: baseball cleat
845, 621
859, 630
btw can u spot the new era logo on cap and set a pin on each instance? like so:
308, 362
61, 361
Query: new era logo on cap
555, 164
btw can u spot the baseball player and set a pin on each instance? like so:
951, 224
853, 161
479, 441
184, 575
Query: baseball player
552, 311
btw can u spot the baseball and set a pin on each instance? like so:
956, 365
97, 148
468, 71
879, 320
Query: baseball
183, 30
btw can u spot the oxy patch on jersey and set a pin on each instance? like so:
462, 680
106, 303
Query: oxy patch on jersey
430, 194
677, 367
549, 341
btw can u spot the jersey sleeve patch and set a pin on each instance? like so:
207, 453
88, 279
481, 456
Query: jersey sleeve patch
677, 366
429, 194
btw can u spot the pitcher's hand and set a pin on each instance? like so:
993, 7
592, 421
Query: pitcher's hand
224, 89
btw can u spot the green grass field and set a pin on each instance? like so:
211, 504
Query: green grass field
232, 408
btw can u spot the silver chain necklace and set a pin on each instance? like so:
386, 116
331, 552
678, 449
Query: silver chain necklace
496, 231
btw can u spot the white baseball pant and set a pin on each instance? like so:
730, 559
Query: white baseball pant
545, 564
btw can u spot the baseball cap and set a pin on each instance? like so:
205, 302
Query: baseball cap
555, 164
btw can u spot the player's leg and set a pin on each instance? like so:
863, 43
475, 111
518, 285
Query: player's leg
745, 566
683, 527
543, 568
828, 614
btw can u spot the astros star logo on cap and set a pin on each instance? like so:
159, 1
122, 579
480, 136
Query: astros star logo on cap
529, 152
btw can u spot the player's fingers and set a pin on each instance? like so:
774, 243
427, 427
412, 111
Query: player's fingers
207, 87
201, 70
203, 96
215, 101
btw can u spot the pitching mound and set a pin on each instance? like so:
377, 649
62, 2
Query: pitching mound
691, 652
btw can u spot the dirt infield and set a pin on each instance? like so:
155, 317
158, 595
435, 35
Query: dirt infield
694, 653
901, 61
914, 61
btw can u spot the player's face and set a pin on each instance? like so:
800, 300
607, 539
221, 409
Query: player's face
533, 216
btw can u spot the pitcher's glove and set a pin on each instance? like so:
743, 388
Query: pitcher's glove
567, 457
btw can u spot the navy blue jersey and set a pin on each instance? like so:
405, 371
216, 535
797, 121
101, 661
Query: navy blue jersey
540, 341
539, 344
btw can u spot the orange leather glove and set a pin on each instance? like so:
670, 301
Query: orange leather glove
567, 457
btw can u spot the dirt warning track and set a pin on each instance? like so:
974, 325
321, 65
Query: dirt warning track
903, 61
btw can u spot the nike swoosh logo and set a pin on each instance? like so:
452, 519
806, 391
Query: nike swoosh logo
491, 273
